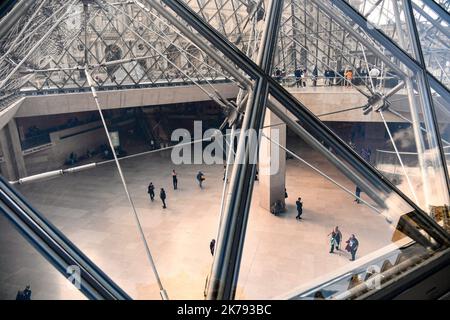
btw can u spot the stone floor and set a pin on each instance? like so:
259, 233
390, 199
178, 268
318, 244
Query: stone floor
280, 252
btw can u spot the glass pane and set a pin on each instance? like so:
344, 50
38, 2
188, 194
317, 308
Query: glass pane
433, 34
387, 16
21, 266
289, 258
154, 84
344, 78
239, 21
441, 106
151, 80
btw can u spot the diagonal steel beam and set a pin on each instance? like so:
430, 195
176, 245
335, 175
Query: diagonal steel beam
376, 34
357, 35
230, 243
434, 22
316, 129
203, 46
423, 85
56, 248
13, 16
443, 14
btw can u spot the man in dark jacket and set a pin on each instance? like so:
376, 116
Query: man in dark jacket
174, 179
299, 204
151, 191
358, 195
298, 77
162, 195
315, 76
352, 246
212, 246
200, 178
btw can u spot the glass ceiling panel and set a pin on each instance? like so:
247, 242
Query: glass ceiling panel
433, 33
318, 52
120, 48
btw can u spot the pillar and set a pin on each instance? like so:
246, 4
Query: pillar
272, 162
17, 149
7, 167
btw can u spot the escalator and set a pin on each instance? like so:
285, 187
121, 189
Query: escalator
369, 277
145, 129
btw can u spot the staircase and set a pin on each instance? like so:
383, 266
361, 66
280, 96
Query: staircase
146, 130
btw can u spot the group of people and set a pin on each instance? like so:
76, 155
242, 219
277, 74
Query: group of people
344, 77
336, 239
299, 74
347, 78
300, 77
162, 193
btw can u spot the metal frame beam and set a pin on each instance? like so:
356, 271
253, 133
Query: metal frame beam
424, 87
318, 129
230, 244
55, 247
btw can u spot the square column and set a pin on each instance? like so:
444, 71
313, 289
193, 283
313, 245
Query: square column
7, 166
272, 162
17, 149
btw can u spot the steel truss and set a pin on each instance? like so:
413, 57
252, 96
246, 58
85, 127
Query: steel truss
178, 46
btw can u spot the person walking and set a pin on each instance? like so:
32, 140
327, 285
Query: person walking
298, 77
374, 73
151, 191
212, 246
349, 78
332, 77
299, 204
304, 76
162, 195
174, 180
200, 179
315, 75
337, 238
352, 246
332, 236
366, 153
358, 195
278, 74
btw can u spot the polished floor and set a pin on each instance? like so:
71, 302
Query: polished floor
280, 252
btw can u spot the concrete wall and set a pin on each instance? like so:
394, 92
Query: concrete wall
322, 100
9, 112
54, 157
79, 102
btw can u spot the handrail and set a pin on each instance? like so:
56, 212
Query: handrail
404, 152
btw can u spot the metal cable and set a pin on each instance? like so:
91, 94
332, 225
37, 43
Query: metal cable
399, 157
322, 174
163, 292
213, 96
146, 11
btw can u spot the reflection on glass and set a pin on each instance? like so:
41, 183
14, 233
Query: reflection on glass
163, 82
377, 106
21, 266
441, 106
433, 34
388, 17
286, 257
